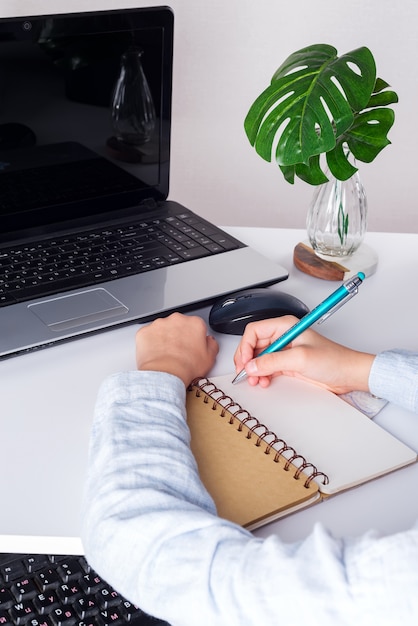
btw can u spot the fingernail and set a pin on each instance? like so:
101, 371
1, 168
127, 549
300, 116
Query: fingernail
251, 367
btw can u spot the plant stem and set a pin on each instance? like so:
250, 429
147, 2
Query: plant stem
342, 224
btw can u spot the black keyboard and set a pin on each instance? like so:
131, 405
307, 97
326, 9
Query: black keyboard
71, 262
41, 590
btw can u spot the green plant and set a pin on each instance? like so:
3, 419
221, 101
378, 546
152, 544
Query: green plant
319, 103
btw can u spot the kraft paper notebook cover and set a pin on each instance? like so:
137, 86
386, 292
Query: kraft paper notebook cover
264, 453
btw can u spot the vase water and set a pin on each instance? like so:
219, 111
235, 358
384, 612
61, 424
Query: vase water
337, 217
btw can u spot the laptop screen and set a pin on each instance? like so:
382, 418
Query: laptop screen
84, 115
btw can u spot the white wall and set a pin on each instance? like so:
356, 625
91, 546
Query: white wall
225, 54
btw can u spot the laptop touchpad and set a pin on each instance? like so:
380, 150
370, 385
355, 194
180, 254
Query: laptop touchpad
65, 312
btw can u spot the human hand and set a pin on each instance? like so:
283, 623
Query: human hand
310, 356
178, 345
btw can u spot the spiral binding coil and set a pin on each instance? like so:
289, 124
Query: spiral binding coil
225, 403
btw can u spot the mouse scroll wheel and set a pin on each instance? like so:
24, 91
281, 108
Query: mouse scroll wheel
230, 301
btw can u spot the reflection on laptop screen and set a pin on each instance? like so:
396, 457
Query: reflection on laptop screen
83, 115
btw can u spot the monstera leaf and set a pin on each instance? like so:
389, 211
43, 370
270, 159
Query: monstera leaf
319, 103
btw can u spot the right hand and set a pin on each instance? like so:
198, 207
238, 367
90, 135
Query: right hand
310, 356
177, 344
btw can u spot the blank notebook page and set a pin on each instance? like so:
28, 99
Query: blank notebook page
337, 438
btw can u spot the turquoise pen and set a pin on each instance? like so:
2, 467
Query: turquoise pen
319, 314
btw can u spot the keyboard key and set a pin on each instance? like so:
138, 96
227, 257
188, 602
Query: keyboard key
70, 570
91, 583
108, 598
84, 600
4, 618
86, 607
22, 612
48, 579
69, 592
24, 589
13, 571
132, 612
113, 616
75, 261
35, 562
6, 599
65, 616
45, 602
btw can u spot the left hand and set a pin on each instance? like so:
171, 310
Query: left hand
178, 345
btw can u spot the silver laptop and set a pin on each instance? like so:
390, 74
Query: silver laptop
88, 238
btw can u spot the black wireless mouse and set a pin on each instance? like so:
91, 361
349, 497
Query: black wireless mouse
231, 314
14, 135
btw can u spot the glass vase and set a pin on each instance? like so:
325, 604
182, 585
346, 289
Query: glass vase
133, 112
337, 217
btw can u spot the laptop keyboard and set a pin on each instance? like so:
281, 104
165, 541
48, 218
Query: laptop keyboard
71, 262
44, 590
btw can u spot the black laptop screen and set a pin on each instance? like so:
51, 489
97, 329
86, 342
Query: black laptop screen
85, 106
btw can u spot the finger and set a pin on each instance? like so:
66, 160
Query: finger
251, 344
270, 328
212, 345
275, 363
243, 354
258, 335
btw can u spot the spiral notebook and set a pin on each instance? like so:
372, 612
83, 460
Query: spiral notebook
265, 453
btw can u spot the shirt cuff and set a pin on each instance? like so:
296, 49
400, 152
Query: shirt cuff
394, 376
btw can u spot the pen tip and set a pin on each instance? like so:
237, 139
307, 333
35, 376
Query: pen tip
361, 275
242, 374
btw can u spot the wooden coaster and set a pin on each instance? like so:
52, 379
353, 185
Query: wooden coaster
325, 267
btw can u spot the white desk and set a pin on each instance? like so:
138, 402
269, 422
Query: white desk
51, 386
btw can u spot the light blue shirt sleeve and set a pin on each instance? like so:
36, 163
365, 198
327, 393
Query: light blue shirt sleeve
394, 377
151, 529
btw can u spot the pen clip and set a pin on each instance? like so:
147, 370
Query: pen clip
337, 306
